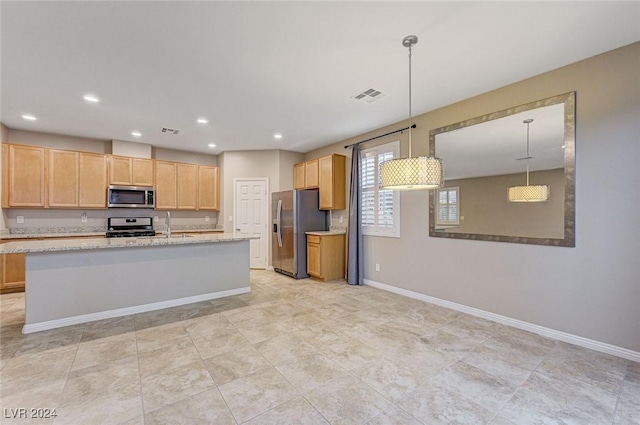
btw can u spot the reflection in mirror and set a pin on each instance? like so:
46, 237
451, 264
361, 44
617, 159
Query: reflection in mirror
484, 156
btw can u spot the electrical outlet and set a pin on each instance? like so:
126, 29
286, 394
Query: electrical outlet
340, 219
20, 219
206, 218
377, 267
155, 218
84, 217
231, 219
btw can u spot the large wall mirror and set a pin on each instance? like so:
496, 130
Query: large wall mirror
485, 156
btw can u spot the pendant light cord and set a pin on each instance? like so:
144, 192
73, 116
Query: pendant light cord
410, 101
528, 123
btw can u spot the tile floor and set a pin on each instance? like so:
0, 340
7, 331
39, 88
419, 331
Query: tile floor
302, 352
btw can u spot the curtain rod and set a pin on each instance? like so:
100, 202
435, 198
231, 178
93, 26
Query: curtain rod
377, 137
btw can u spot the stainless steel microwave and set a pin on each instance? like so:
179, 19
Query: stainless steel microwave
131, 197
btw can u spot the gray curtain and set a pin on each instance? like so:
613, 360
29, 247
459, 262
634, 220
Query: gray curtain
355, 264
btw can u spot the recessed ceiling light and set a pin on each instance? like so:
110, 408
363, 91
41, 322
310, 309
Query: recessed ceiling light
202, 120
91, 98
29, 117
212, 145
277, 136
136, 134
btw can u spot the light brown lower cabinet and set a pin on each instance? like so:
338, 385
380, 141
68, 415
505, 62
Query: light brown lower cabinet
325, 256
12, 274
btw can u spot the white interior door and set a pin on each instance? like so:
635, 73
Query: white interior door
250, 216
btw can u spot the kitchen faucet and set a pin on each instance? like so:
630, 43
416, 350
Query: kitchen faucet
168, 224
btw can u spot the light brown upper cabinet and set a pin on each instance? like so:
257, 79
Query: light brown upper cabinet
92, 186
125, 170
63, 178
208, 188
76, 179
298, 176
23, 176
187, 190
306, 175
166, 185
332, 182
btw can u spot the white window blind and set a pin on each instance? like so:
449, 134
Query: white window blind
448, 206
380, 208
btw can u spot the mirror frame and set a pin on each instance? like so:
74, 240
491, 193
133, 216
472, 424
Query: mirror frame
569, 101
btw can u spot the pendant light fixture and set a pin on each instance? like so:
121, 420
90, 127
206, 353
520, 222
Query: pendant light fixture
411, 173
528, 193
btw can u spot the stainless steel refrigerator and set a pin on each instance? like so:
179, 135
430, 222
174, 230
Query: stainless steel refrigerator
294, 212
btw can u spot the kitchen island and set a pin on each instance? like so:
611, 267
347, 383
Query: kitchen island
71, 281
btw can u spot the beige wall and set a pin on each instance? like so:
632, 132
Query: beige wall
591, 290
276, 165
484, 209
58, 141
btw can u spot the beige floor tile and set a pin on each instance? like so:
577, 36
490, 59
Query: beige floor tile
113, 406
394, 416
155, 318
219, 342
258, 333
67, 337
173, 385
628, 407
206, 408
295, 412
159, 337
437, 404
284, 349
158, 361
254, 394
106, 349
311, 371
201, 327
347, 401
498, 364
52, 363
42, 393
483, 388
392, 379
108, 327
228, 367
96, 379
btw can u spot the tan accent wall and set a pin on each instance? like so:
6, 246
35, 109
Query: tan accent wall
591, 290
484, 209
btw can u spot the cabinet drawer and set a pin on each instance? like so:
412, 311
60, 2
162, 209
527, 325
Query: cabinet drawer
313, 239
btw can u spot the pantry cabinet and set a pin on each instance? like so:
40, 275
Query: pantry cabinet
332, 170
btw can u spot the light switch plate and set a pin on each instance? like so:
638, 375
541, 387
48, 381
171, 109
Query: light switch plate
231, 218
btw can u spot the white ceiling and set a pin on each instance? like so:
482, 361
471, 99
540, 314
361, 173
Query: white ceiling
257, 68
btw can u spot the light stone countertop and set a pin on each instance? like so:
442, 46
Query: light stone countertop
327, 232
51, 235
53, 245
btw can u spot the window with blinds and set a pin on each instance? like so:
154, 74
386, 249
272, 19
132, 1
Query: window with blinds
448, 210
380, 208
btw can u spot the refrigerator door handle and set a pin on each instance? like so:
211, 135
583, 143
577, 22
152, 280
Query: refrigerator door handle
279, 223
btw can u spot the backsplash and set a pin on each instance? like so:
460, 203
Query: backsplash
47, 221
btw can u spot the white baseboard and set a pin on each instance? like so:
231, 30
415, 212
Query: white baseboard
68, 321
540, 330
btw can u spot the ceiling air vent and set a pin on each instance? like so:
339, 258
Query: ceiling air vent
170, 130
369, 96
